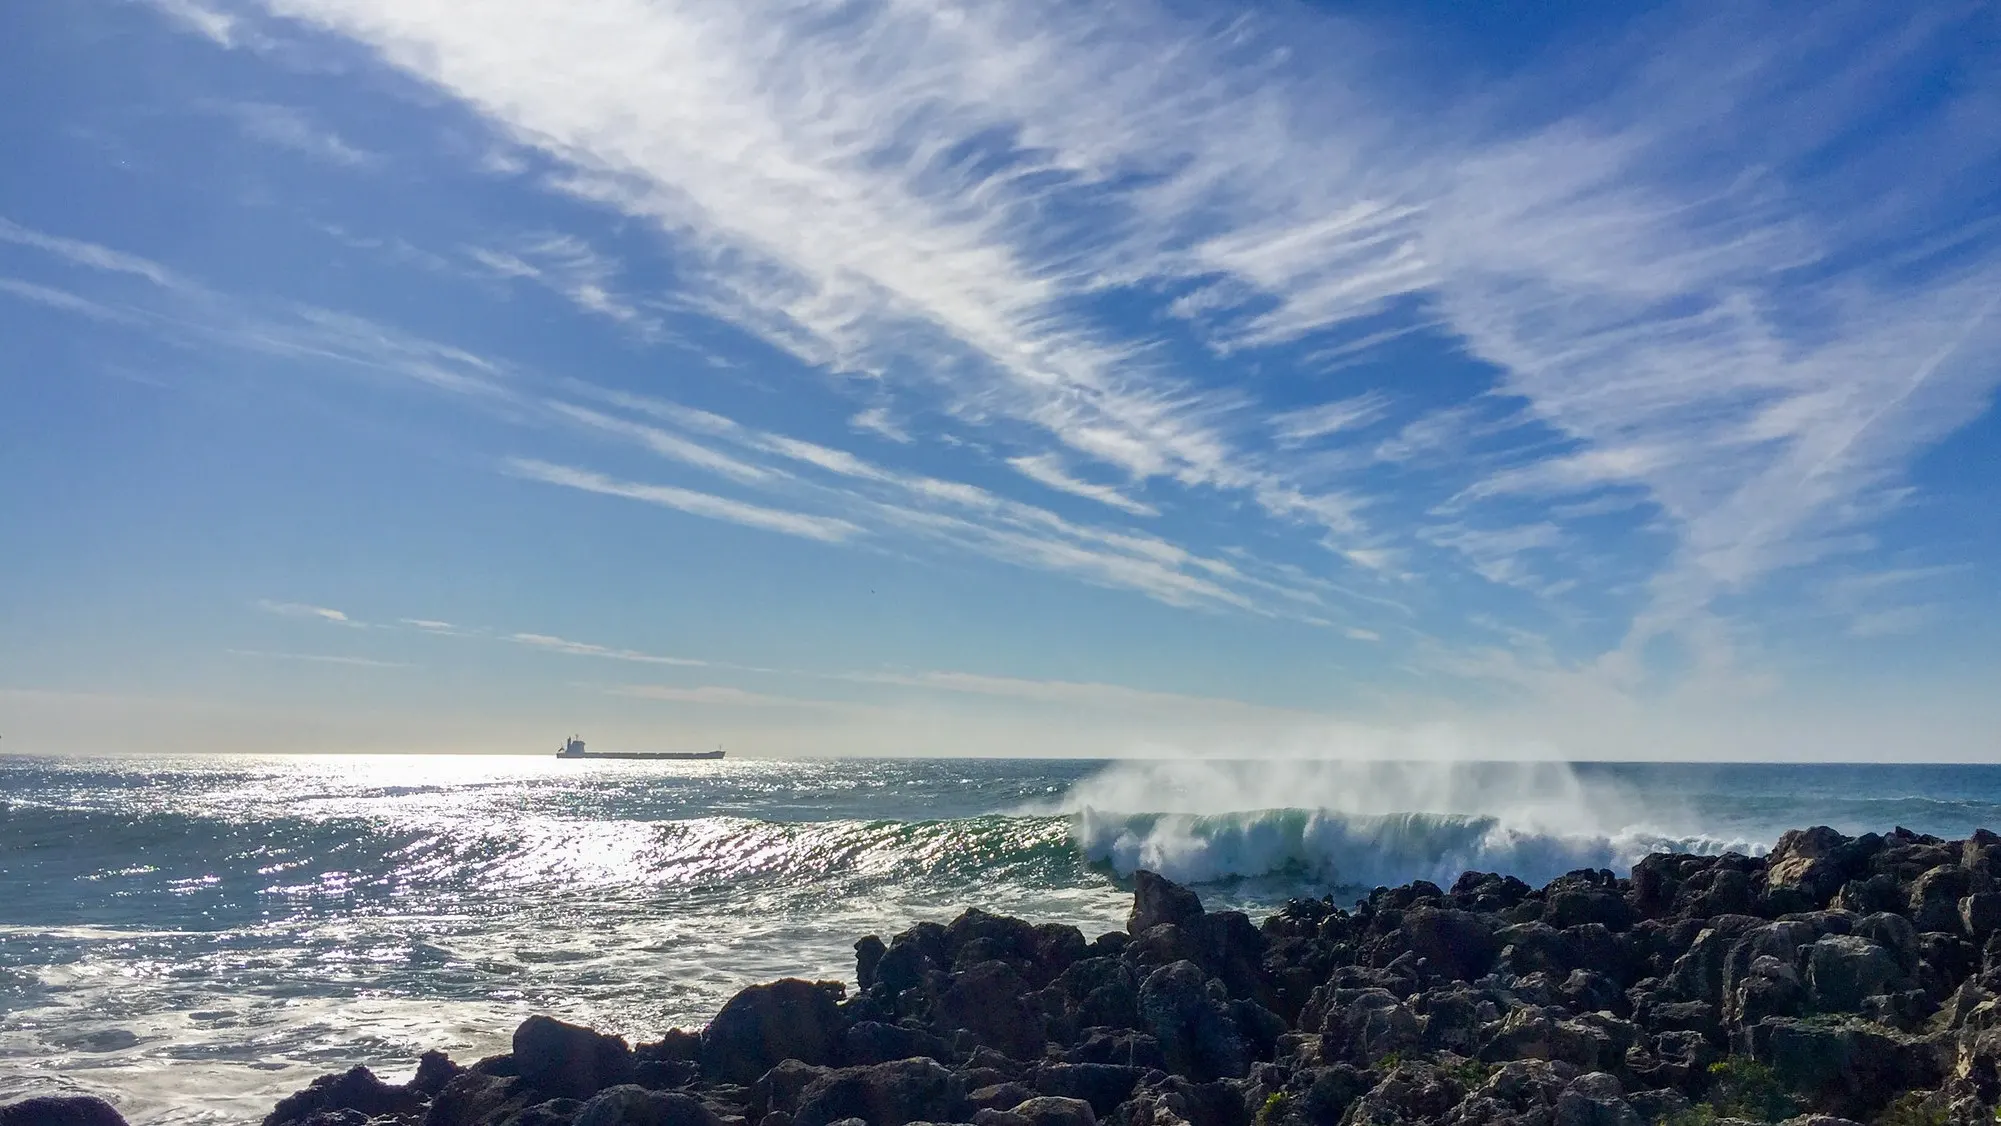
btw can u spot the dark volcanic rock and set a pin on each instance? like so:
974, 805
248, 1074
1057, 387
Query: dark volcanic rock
1852, 977
884, 1094
764, 1024
565, 1061
356, 1089
1158, 900
61, 1110
1188, 1014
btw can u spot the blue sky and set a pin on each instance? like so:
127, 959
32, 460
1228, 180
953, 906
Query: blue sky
1379, 379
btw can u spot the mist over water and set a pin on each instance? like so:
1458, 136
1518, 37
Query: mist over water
194, 937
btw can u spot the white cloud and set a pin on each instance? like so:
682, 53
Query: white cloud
876, 420
305, 610
1047, 469
586, 649
824, 528
289, 128
573, 268
721, 696
321, 658
90, 254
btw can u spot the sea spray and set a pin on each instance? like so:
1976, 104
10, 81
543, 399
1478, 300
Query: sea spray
1354, 825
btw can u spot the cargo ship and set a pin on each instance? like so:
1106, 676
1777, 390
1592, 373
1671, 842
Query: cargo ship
573, 747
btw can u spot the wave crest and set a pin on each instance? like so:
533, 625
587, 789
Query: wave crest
1344, 850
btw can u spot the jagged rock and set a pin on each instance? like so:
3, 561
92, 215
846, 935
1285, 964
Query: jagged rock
1192, 1022
1104, 1086
1807, 867
1850, 1068
636, 1106
764, 1024
873, 1042
884, 1094
1594, 1099
1000, 1096
1457, 944
476, 1097
777, 1091
355, 1089
1055, 1110
869, 952
1158, 900
991, 1000
61, 1110
567, 1061
1934, 898
1367, 1025
1842, 970
1410, 1092
1980, 914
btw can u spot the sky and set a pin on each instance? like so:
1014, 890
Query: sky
878, 377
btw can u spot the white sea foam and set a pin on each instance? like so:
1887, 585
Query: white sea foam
1356, 825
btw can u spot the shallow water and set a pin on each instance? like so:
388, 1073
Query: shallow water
194, 937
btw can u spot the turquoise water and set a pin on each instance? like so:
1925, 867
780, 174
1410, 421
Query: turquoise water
195, 936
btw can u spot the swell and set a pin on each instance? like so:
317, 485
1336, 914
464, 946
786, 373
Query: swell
181, 864
1359, 851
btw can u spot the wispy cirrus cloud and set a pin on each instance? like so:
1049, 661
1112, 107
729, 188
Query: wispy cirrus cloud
290, 128
305, 610
824, 528
554, 644
321, 659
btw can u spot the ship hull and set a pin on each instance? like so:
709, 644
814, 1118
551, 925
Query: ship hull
678, 756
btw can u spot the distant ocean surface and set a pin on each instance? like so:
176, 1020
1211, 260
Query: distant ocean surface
193, 937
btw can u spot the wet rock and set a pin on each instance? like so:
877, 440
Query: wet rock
567, 1061
764, 1024
61, 1110
476, 1097
1158, 900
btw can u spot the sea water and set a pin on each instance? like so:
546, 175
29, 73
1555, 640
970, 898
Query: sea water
194, 937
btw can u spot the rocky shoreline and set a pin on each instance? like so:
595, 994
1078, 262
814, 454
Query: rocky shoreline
1836, 979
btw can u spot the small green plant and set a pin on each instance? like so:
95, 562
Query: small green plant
1740, 1087
1273, 1110
1915, 1108
1701, 1114
1391, 1060
1469, 1074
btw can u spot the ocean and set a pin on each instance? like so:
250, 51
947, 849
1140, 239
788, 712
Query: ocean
194, 937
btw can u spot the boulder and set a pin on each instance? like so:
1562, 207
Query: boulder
1189, 1018
1980, 914
764, 1024
1055, 1110
1843, 970
628, 1105
1934, 902
568, 1061
992, 1001
869, 951
1851, 1068
873, 1042
1807, 865
61, 1110
1456, 944
1595, 1099
884, 1094
1158, 900
356, 1089
1102, 1085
